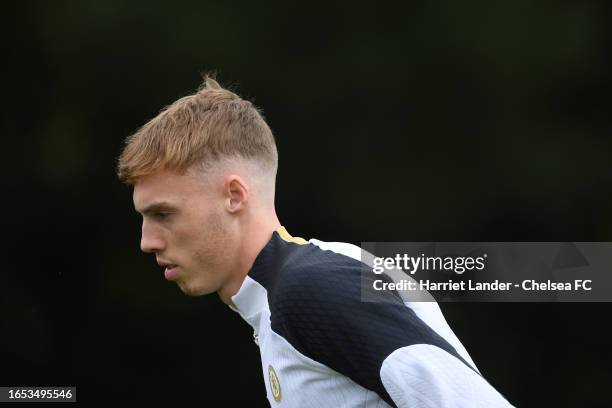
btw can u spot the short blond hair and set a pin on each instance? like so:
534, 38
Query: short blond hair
199, 129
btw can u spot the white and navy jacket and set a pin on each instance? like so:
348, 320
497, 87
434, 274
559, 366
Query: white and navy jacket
322, 346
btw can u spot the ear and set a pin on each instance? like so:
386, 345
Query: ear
236, 193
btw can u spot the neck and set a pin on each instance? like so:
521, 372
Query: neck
259, 233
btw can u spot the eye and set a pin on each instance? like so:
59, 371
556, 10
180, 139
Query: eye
161, 216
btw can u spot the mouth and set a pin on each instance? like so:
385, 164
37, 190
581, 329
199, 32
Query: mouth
170, 270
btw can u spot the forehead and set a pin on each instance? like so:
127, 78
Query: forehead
167, 186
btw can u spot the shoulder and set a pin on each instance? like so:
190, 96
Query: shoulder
324, 303
323, 298
325, 275
324, 306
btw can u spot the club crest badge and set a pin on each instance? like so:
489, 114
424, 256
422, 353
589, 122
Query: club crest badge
274, 384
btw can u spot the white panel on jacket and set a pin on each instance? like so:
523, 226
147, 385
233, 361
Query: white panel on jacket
425, 376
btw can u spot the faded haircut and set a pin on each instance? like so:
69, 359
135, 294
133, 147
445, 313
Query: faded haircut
199, 129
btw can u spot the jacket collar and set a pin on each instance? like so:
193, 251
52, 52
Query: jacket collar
252, 297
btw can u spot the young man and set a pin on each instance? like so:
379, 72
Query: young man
204, 174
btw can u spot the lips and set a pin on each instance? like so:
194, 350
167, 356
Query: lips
170, 269
171, 272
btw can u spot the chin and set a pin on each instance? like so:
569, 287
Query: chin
193, 290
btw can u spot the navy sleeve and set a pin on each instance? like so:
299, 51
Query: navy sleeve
319, 308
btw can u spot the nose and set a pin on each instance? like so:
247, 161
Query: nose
150, 241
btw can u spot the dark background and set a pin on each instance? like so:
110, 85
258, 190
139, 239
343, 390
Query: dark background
427, 121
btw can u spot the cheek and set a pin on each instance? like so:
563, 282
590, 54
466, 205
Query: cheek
214, 243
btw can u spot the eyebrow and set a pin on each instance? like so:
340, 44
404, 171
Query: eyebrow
154, 207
